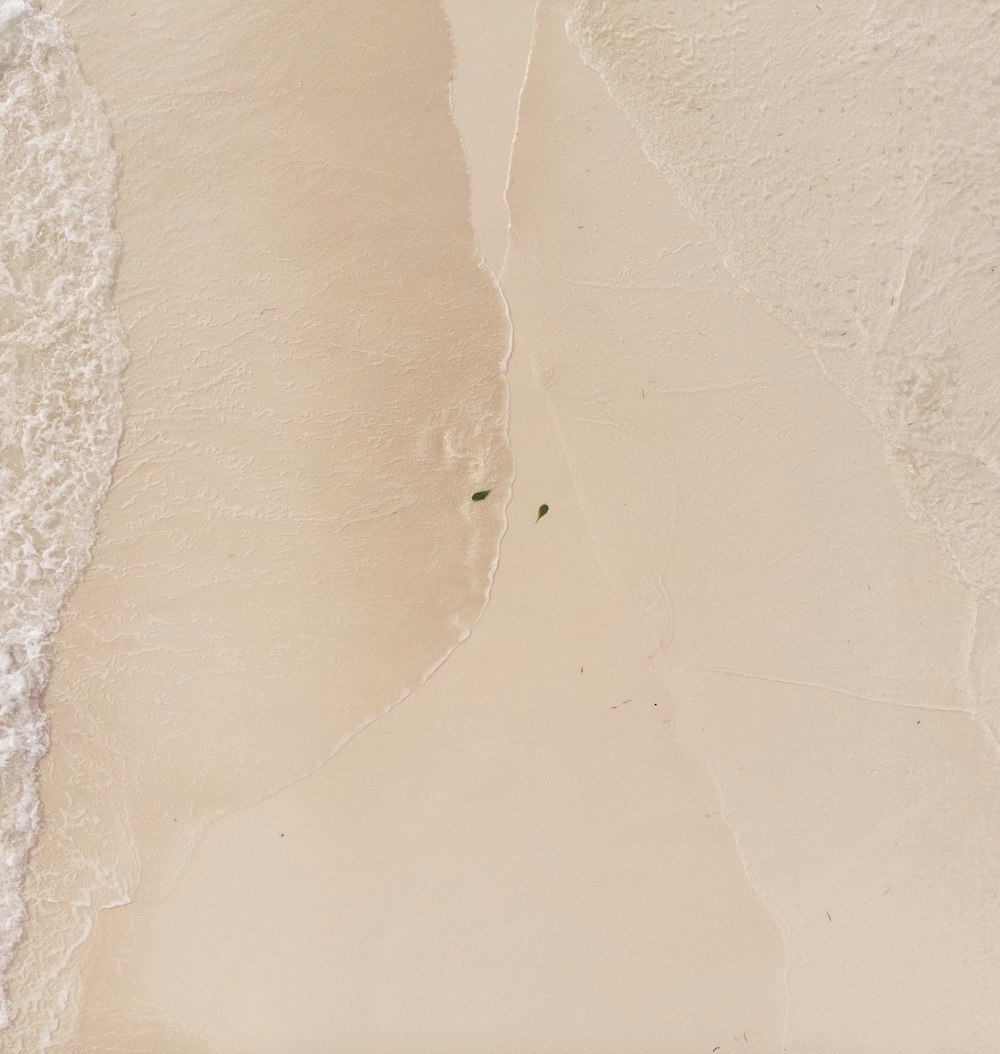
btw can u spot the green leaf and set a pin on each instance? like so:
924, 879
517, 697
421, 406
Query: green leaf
480, 494
542, 510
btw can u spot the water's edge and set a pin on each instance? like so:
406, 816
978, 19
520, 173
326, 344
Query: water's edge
62, 353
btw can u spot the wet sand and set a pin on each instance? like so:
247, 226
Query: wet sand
316, 390
711, 765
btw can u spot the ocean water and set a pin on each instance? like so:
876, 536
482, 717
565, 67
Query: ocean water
844, 159
62, 354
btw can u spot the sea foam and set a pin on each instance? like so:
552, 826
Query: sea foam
62, 354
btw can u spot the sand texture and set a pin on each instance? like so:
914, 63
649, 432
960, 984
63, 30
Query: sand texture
702, 759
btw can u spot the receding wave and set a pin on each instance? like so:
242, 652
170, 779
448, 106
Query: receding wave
62, 353
845, 161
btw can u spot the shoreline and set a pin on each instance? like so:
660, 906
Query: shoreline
243, 574
695, 769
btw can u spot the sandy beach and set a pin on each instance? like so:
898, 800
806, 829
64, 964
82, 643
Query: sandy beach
703, 757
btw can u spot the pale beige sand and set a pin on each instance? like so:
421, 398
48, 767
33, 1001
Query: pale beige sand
521, 859
823, 654
781, 839
492, 39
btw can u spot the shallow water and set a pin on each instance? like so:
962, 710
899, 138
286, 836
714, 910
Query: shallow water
844, 160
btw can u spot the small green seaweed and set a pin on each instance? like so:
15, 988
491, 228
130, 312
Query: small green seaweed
542, 510
480, 494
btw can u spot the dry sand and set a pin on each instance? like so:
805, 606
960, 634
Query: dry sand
710, 772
